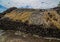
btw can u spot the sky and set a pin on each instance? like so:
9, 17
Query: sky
2, 8
36, 4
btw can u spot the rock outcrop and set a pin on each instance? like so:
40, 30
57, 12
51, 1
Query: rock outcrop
47, 18
35, 21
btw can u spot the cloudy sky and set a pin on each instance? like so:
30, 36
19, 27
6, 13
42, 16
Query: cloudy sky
36, 4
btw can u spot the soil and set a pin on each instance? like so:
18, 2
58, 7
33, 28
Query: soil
15, 37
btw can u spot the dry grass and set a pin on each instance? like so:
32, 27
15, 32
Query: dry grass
23, 16
55, 20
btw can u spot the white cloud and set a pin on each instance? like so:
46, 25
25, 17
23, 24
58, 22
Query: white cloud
32, 3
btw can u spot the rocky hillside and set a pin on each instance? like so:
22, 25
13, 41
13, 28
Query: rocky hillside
47, 18
37, 21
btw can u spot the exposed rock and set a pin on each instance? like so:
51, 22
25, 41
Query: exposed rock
34, 16
44, 23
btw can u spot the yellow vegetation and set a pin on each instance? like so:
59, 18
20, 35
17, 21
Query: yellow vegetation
57, 24
54, 15
23, 16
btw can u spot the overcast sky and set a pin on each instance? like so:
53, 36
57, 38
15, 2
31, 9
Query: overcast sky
37, 4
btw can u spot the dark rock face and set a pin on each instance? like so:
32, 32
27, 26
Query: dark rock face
57, 9
1, 15
9, 10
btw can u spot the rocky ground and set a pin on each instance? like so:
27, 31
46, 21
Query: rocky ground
21, 37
